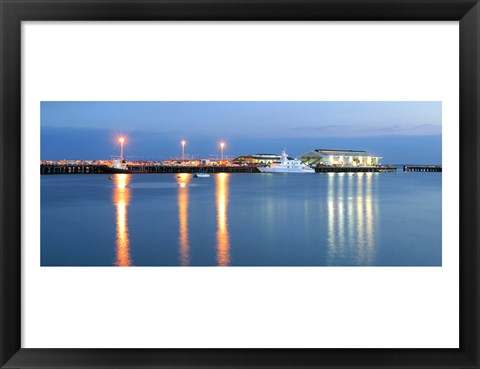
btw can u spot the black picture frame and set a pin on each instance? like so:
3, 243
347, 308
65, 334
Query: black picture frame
13, 12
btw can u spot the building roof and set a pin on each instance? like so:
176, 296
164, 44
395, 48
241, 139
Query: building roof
264, 155
318, 154
328, 152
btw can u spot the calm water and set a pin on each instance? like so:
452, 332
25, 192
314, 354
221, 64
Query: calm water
241, 219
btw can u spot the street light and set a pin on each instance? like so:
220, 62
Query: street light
121, 140
183, 149
222, 145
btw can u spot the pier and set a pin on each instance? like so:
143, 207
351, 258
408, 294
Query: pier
101, 169
192, 169
71, 169
341, 169
422, 168
149, 168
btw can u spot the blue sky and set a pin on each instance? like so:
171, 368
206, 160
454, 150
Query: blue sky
400, 132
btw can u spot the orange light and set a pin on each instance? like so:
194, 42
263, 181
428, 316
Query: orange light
222, 144
183, 179
121, 199
184, 142
121, 140
223, 237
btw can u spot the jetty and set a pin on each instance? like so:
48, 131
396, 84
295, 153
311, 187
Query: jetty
370, 169
102, 169
86, 168
422, 168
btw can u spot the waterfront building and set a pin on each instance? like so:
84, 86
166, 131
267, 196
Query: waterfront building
256, 159
340, 158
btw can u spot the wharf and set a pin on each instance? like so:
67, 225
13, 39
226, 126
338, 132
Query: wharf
103, 169
373, 169
72, 169
192, 169
422, 168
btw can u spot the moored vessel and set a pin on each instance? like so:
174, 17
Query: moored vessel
286, 165
201, 175
117, 166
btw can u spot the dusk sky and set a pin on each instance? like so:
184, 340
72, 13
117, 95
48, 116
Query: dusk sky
400, 132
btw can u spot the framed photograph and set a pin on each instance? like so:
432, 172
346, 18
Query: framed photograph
239, 184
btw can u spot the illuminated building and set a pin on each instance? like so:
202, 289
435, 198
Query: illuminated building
340, 158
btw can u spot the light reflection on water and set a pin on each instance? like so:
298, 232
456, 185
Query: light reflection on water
331, 241
342, 210
369, 209
240, 220
357, 239
359, 220
223, 238
350, 219
121, 199
182, 180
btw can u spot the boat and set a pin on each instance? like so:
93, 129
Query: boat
201, 175
118, 166
286, 165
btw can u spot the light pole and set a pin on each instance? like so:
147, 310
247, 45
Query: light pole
183, 149
222, 145
121, 140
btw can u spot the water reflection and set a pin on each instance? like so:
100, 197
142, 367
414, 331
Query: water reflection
331, 240
340, 218
121, 199
360, 223
370, 232
182, 180
223, 239
351, 242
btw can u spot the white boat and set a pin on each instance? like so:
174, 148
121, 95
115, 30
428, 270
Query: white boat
201, 175
118, 166
286, 165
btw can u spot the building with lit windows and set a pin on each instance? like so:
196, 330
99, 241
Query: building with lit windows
340, 158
